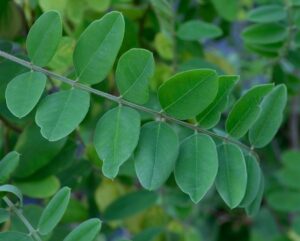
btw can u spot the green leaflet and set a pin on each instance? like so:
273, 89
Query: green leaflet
267, 14
198, 30
15, 236
148, 234
98, 47
187, 94
197, 166
39, 188
156, 154
116, 136
253, 208
228, 11
86, 231
265, 33
253, 180
284, 200
8, 165
44, 151
24, 91
44, 37
54, 211
270, 117
231, 181
246, 110
130, 204
60, 113
133, 79
212, 114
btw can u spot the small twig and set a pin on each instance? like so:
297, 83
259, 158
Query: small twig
10, 125
32, 231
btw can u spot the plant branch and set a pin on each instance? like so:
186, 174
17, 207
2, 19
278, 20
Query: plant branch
32, 231
124, 102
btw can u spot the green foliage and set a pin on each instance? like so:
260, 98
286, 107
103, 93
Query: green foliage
182, 121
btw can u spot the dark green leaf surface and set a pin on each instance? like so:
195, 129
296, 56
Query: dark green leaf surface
60, 113
253, 180
231, 181
24, 91
187, 94
267, 14
197, 166
246, 110
154, 160
267, 33
116, 137
98, 47
130, 204
44, 37
270, 117
212, 114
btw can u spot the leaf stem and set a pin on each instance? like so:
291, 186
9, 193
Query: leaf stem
124, 102
32, 231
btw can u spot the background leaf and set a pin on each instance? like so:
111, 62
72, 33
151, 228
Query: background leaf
267, 14
198, 30
8, 165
